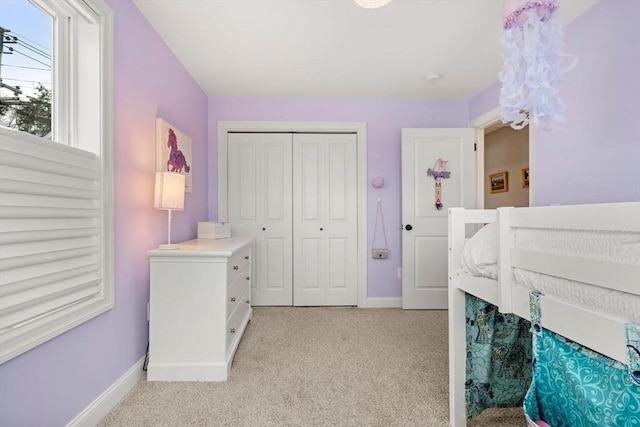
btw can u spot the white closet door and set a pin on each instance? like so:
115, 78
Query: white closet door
325, 213
259, 200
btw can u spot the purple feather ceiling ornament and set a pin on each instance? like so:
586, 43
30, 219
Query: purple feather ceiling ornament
532, 53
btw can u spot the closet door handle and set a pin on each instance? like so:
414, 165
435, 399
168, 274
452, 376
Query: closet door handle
321, 228
408, 227
264, 229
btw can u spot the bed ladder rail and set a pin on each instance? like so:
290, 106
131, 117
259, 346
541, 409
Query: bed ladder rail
600, 332
458, 218
609, 274
505, 272
623, 216
457, 321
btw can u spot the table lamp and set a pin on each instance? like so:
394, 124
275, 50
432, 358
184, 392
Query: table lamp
169, 196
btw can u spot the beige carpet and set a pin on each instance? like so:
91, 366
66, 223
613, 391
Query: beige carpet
315, 366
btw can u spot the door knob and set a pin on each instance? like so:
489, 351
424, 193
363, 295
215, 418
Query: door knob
408, 227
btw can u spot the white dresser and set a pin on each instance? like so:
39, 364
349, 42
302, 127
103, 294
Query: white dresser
200, 304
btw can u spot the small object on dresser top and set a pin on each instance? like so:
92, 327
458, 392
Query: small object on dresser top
214, 230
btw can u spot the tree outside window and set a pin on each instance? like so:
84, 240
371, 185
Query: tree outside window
25, 68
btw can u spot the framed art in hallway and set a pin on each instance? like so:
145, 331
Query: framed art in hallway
173, 152
499, 182
524, 177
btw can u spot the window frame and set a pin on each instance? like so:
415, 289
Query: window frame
82, 117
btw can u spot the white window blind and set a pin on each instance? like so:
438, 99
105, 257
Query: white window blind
50, 240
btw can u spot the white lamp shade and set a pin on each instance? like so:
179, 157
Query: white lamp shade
169, 192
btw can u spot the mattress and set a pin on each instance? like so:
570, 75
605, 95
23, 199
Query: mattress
480, 258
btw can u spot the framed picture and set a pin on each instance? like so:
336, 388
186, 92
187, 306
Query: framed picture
499, 182
524, 177
173, 152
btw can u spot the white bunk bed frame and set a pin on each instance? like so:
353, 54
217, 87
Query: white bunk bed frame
600, 332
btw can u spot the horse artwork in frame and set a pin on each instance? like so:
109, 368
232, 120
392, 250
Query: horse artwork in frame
173, 152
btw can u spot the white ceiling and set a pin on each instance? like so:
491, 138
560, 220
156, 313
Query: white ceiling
334, 48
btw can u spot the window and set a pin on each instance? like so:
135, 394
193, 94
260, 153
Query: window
56, 226
25, 68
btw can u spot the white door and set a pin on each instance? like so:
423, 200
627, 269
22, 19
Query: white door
325, 211
259, 204
424, 235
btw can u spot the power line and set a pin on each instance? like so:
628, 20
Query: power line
32, 41
27, 81
34, 59
29, 68
34, 49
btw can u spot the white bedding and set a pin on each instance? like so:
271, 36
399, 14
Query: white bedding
480, 256
480, 253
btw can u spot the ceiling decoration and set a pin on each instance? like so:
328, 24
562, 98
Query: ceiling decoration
372, 4
531, 70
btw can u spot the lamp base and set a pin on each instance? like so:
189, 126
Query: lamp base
168, 247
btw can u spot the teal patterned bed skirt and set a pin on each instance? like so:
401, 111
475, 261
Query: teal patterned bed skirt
498, 357
573, 386
567, 385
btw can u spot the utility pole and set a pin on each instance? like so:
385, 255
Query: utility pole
15, 99
27, 113
4, 40
2, 31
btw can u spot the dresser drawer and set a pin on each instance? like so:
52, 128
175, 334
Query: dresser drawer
237, 263
237, 288
234, 324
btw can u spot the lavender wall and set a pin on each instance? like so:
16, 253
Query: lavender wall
595, 158
384, 119
54, 382
484, 101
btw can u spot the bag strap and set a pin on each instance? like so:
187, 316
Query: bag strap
375, 227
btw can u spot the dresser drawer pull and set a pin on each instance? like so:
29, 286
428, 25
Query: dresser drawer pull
233, 299
236, 267
246, 257
248, 302
248, 277
233, 330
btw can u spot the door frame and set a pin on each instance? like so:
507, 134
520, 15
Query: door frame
359, 128
480, 124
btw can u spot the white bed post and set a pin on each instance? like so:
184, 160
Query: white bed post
457, 323
505, 272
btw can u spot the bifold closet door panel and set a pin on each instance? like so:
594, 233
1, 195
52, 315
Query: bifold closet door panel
325, 211
260, 206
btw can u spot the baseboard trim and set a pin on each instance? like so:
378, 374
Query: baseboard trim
381, 302
100, 407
